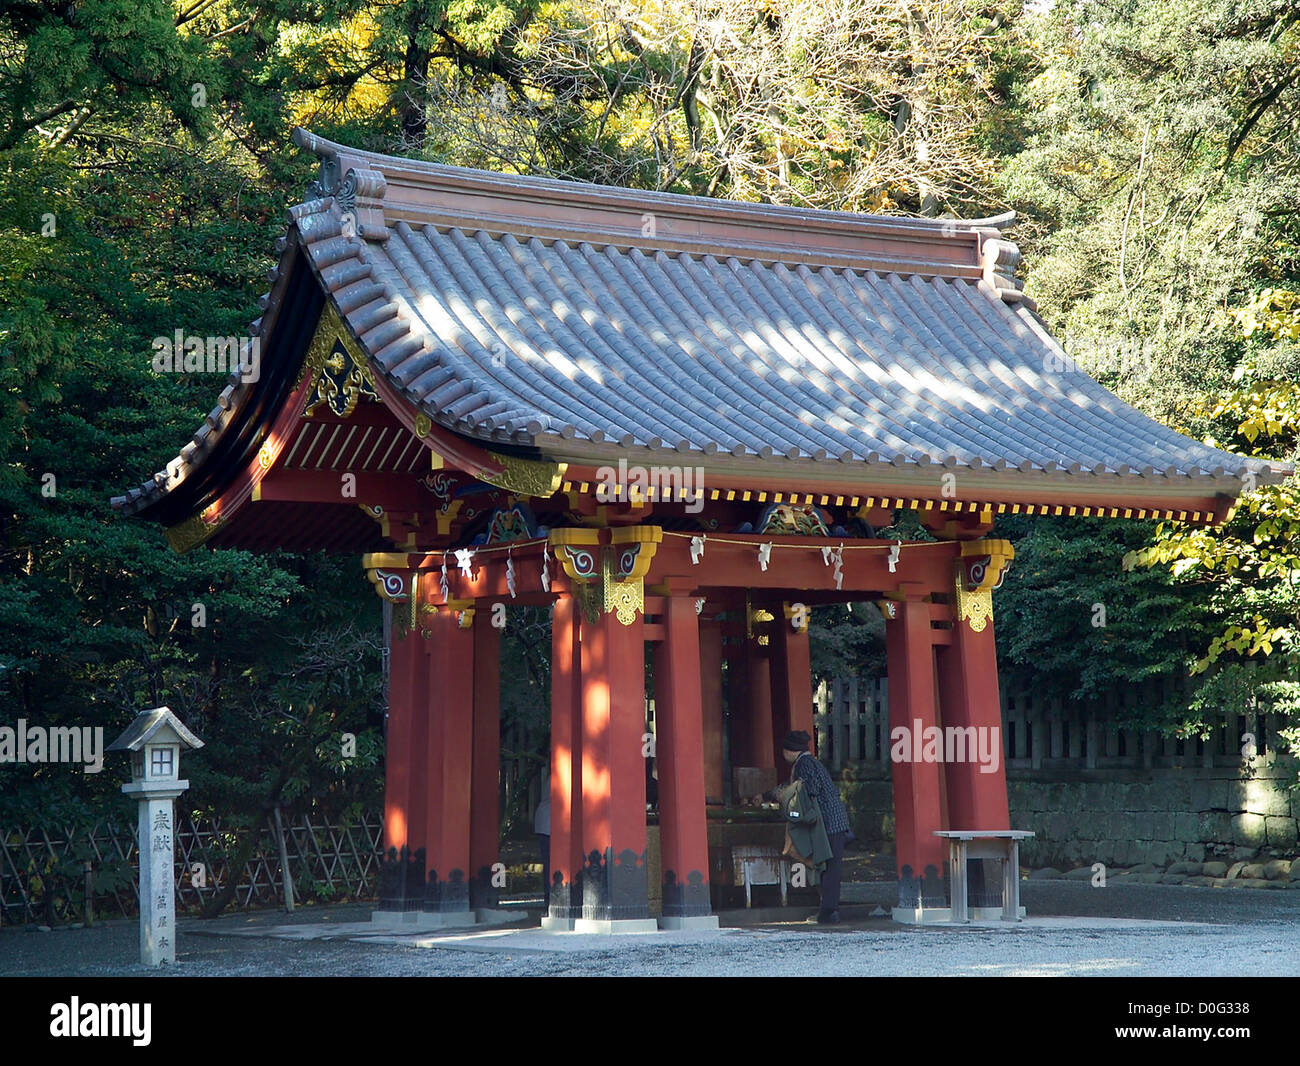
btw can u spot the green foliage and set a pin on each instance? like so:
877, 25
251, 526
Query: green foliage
1071, 624
846, 643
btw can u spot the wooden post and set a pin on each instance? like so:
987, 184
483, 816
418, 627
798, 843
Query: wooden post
680, 742
969, 700
614, 888
449, 761
711, 705
404, 779
917, 807
791, 681
566, 767
286, 879
485, 779
759, 749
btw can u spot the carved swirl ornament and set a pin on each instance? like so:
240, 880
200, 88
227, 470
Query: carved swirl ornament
579, 562
980, 570
392, 586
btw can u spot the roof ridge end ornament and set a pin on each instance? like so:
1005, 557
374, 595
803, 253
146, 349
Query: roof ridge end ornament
360, 198
359, 193
327, 153
998, 260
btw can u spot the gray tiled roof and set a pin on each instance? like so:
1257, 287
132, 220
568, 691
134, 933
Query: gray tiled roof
504, 338
533, 312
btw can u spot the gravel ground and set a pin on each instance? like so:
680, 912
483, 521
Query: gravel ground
1200, 932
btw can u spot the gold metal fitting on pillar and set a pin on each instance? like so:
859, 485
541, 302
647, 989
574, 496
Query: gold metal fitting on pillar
980, 570
607, 578
756, 616
464, 612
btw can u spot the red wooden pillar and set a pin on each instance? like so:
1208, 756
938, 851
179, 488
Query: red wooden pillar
753, 716
680, 748
405, 820
711, 700
566, 762
792, 706
613, 770
918, 806
484, 810
968, 695
399, 807
451, 752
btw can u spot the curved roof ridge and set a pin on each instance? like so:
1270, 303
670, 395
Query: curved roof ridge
421, 192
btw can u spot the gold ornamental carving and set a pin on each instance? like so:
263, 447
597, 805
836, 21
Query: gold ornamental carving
340, 374
607, 578
974, 608
526, 477
191, 533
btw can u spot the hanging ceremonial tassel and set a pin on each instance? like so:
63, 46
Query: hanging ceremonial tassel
838, 572
697, 549
764, 554
510, 571
465, 560
894, 551
826, 556
546, 569
446, 592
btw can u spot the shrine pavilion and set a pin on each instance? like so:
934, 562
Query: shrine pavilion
678, 422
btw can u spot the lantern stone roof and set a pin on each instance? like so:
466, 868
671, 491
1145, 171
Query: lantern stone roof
585, 325
147, 725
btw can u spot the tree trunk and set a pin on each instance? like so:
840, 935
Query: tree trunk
415, 74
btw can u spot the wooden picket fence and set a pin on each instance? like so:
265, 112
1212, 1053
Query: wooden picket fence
853, 729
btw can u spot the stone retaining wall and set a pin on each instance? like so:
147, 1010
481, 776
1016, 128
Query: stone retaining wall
1121, 817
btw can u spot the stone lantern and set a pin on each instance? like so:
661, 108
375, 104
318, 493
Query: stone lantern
155, 740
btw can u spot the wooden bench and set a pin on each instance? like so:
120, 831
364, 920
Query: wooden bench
966, 844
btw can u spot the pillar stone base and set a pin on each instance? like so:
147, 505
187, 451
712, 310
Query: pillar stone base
698, 921
421, 921
557, 925
922, 915
617, 925
943, 915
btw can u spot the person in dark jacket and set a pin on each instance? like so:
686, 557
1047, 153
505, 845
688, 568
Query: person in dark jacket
807, 768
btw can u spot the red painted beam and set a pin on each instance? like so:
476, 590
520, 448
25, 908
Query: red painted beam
389, 491
795, 571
